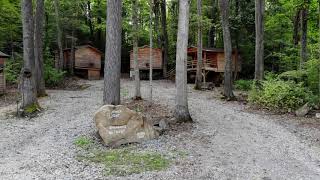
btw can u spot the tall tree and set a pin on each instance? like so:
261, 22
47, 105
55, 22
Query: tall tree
199, 56
113, 53
151, 52
259, 55
28, 86
304, 33
165, 43
296, 27
38, 47
224, 10
137, 94
181, 110
60, 61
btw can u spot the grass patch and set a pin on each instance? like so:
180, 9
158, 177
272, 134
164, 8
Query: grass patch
32, 108
83, 142
125, 162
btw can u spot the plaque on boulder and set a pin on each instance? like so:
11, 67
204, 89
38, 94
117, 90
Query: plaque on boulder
119, 125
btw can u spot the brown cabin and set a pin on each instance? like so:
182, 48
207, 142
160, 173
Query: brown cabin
2, 76
213, 59
87, 61
144, 57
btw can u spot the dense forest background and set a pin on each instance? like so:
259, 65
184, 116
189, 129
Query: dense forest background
285, 24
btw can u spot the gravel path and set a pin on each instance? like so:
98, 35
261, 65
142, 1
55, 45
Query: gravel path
226, 142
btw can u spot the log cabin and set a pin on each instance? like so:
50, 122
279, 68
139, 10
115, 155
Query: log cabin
87, 61
213, 63
144, 63
2, 75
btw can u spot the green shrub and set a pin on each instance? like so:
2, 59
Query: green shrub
52, 76
243, 85
297, 76
312, 68
12, 70
281, 95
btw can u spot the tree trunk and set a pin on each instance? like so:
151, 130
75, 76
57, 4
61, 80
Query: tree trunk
259, 55
181, 110
224, 10
90, 20
151, 54
199, 57
304, 28
165, 44
73, 53
137, 93
38, 48
156, 11
28, 86
60, 61
113, 53
212, 32
296, 27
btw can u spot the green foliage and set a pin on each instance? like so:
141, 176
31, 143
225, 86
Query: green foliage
297, 76
277, 94
52, 76
243, 85
12, 70
313, 75
125, 162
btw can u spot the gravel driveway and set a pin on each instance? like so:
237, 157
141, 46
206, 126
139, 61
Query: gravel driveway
226, 142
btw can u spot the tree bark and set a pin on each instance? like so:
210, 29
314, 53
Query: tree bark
137, 94
150, 54
28, 86
60, 61
38, 48
224, 10
259, 54
165, 44
73, 53
304, 34
113, 53
90, 20
199, 57
296, 27
181, 110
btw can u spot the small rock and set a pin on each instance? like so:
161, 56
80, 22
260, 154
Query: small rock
318, 115
304, 110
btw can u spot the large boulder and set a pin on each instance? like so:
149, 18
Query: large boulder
119, 125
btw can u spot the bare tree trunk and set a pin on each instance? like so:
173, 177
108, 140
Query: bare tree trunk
28, 85
199, 62
165, 44
151, 55
224, 10
319, 44
156, 10
59, 64
137, 93
304, 35
296, 27
73, 54
113, 53
90, 20
181, 110
259, 55
38, 48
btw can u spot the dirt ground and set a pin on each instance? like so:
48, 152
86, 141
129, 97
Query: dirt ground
227, 141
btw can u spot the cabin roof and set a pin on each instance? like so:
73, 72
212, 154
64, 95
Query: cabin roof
217, 50
85, 46
3, 55
146, 46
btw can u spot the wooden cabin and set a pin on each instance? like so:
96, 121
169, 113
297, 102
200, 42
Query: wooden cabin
87, 61
213, 61
144, 60
2, 75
